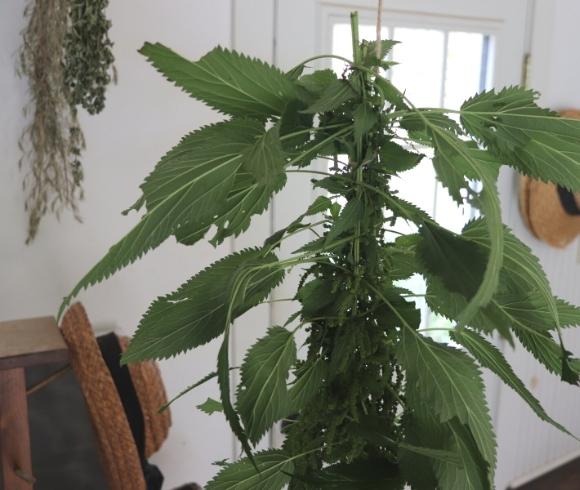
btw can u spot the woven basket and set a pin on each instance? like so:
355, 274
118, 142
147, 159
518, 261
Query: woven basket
115, 441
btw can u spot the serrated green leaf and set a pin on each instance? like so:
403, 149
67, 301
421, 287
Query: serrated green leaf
210, 406
349, 217
450, 383
197, 312
370, 474
308, 382
454, 170
491, 358
536, 141
265, 160
273, 468
316, 83
404, 209
471, 472
262, 394
371, 58
364, 118
447, 143
335, 94
295, 125
186, 189
394, 158
459, 263
523, 270
224, 383
225, 80
391, 93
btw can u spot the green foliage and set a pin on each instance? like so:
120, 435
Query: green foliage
262, 394
371, 401
211, 406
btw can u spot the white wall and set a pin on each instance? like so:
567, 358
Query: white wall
144, 117
524, 442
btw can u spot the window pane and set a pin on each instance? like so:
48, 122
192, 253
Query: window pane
420, 69
466, 67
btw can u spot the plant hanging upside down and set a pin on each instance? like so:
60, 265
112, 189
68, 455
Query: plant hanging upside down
374, 403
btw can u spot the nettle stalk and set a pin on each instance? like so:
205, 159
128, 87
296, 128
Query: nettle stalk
372, 402
349, 335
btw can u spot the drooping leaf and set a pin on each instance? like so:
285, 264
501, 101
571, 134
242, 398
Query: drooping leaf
394, 158
524, 272
349, 217
536, 141
262, 394
364, 119
459, 263
265, 160
463, 465
273, 470
225, 80
335, 94
308, 382
316, 83
369, 474
491, 358
450, 383
211, 406
197, 312
455, 149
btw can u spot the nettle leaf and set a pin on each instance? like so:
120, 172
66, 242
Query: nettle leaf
364, 120
186, 189
456, 463
447, 380
459, 263
420, 125
309, 380
391, 93
367, 474
272, 473
211, 406
198, 311
536, 141
352, 212
262, 394
335, 94
455, 149
295, 125
265, 159
491, 358
225, 80
405, 210
394, 158
524, 272
316, 83
371, 58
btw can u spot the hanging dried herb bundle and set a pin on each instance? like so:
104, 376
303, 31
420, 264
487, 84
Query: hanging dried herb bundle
88, 56
66, 55
52, 143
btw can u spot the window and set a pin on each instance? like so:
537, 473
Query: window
436, 68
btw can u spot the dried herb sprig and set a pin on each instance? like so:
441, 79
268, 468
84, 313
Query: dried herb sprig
52, 142
88, 56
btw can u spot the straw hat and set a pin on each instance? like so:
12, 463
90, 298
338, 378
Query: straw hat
118, 450
550, 212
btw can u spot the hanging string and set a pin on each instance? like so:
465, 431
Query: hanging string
378, 49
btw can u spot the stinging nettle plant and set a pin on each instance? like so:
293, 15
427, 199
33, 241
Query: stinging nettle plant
374, 402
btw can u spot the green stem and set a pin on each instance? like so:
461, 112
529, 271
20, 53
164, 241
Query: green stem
356, 54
